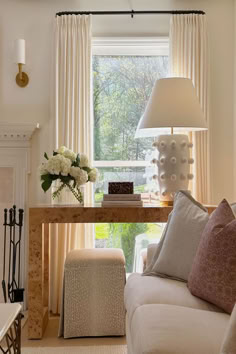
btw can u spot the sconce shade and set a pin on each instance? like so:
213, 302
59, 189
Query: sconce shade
20, 51
172, 104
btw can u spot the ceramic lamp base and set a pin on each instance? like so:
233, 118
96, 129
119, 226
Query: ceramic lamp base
173, 165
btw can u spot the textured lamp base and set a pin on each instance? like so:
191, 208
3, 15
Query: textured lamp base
173, 165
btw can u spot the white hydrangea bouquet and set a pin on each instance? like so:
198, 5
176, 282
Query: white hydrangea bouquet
70, 169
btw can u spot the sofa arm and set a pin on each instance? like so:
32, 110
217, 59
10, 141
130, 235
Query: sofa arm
147, 255
150, 253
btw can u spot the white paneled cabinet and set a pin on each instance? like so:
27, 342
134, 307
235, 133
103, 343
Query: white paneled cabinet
15, 145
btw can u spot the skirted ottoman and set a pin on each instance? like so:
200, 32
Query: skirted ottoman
93, 293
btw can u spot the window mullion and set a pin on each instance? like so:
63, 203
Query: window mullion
121, 163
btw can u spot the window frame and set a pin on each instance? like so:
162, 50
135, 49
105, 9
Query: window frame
141, 46
130, 46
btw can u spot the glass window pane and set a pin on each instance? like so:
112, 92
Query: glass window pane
122, 86
138, 175
132, 238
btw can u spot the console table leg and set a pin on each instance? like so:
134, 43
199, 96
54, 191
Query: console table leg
46, 265
36, 320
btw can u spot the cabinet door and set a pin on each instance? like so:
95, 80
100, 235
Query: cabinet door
13, 191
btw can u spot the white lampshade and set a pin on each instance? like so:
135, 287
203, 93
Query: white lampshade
20, 51
172, 104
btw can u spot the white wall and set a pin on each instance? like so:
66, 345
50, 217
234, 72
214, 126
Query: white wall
234, 100
33, 21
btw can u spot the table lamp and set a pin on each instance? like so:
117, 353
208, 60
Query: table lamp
173, 107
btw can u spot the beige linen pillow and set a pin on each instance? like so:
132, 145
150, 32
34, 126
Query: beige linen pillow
181, 238
229, 341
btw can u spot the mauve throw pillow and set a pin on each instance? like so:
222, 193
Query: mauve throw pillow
213, 274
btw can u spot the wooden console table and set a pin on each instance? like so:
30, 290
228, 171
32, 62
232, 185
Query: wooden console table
39, 220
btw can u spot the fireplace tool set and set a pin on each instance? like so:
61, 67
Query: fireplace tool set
12, 255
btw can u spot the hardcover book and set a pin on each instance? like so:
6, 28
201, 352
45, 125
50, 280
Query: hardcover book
122, 197
119, 203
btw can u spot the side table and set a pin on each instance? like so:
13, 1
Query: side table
10, 328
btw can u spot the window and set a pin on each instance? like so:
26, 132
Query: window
124, 72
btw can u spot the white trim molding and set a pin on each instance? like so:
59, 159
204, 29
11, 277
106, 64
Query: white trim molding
16, 134
130, 46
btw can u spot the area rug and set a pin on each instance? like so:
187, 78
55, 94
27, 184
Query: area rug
104, 349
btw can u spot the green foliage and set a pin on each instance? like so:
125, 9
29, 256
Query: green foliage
87, 169
123, 236
77, 161
101, 231
66, 179
122, 86
47, 182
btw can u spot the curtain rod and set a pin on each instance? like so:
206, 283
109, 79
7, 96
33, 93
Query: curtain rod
132, 12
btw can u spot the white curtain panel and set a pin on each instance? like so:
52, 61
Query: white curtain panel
72, 128
189, 58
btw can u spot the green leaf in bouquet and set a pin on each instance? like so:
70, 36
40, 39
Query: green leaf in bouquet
55, 153
87, 169
77, 161
65, 179
47, 182
54, 177
46, 156
45, 177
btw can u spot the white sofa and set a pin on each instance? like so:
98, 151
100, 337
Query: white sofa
164, 318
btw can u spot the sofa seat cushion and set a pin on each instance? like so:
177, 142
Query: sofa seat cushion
167, 329
229, 341
141, 290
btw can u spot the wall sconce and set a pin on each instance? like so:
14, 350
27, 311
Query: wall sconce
22, 78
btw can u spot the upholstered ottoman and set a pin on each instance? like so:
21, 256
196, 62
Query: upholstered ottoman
93, 293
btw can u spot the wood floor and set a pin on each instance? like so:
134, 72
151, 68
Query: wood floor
51, 339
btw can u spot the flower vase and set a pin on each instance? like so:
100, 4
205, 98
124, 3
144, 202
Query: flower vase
66, 195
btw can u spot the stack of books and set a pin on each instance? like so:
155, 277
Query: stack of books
122, 200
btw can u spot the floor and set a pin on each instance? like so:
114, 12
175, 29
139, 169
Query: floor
50, 338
